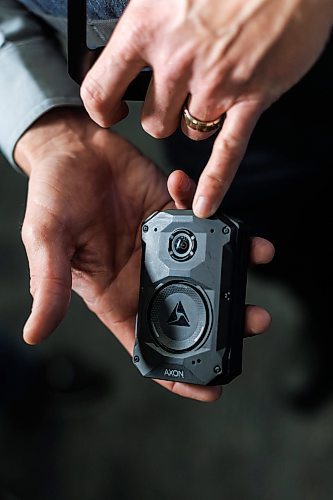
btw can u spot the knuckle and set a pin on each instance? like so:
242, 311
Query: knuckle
122, 58
229, 147
216, 179
214, 79
35, 236
30, 234
165, 78
211, 85
173, 66
33, 285
93, 96
242, 73
137, 33
179, 67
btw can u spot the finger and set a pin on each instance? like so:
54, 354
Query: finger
124, 332
163, 105
201, 393
105, 84
257, 320
202, 110
50, 281
262, 251
228, 151
181, 188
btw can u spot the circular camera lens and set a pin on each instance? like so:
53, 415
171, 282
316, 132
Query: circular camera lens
182, 244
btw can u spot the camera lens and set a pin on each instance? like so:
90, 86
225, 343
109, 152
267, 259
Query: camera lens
182, 245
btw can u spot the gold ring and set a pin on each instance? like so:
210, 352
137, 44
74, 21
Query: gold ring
200, 125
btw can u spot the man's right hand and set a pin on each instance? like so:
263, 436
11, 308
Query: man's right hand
233, 57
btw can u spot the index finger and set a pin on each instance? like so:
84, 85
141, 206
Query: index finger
228, 151
106, 82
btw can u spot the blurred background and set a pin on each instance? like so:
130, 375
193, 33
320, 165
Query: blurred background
77, 421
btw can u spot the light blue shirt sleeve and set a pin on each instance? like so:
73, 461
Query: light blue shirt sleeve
33, 74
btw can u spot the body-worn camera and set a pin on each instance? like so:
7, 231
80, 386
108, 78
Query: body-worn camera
190, 322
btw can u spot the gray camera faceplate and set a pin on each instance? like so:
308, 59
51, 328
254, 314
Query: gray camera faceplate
185, 313
203, 266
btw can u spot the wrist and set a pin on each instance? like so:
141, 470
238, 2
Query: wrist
58, 128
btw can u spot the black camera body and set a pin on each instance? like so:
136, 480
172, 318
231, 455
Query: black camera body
190, 322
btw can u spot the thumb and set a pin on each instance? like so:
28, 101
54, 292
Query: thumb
181, 188
50, 278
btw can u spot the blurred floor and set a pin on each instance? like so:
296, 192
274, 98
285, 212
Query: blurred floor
78, 422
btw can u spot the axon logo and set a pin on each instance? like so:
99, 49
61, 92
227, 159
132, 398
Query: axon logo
174, 373
178, 317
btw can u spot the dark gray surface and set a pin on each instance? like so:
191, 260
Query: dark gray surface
113, 434
196, 312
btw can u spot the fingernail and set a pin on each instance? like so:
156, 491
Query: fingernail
26, 335
27, 331
202, 207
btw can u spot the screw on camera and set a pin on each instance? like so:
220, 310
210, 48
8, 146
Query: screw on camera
136, 359
145, 228
217, 369
226, 230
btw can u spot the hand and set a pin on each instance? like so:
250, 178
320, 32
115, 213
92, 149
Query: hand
89, 191
235, 57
